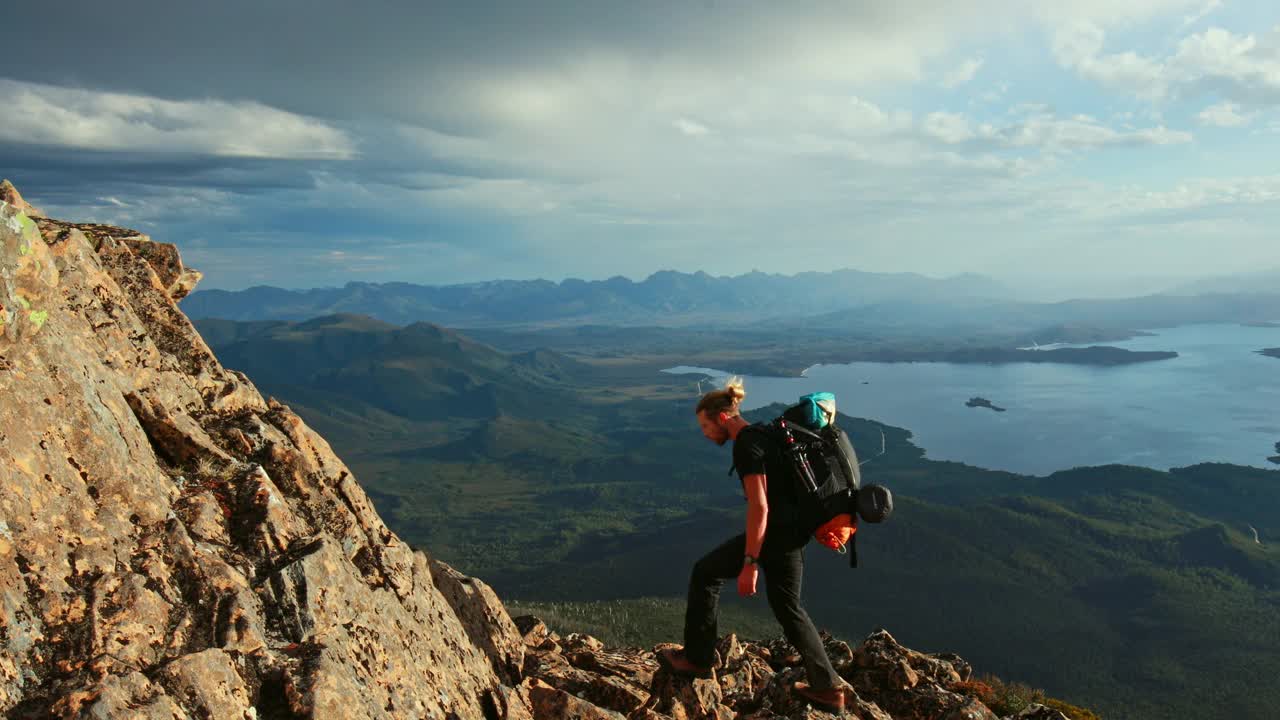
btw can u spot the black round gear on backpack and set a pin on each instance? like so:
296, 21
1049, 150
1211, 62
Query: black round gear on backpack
875, 503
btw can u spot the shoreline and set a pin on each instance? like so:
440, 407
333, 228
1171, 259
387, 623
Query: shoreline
1092, 356
881, 404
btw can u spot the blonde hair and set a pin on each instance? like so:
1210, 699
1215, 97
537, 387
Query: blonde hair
724, 400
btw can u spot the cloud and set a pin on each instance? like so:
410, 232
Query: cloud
1194, 198
1200, 14
38, 114
690, 127
1045, 131
1225, 114
1242, 68
1085, 132
950, 128
560, 137
1079, 46
961, 74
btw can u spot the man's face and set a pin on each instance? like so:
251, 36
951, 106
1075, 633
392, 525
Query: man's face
712, 428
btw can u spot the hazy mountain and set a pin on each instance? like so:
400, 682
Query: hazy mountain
1152, 311
886, 305
1263, 281
675, 297
417, 372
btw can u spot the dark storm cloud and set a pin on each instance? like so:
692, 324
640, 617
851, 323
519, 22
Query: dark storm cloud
342, 60
62, 174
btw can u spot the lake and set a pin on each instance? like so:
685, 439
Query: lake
1219, 401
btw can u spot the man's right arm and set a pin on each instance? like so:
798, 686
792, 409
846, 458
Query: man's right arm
757, 511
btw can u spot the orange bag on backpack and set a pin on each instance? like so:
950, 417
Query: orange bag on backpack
836, 532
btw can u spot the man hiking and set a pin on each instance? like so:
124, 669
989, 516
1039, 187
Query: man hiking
772, 543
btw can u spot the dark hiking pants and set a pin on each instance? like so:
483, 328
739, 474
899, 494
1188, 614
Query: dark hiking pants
782, 567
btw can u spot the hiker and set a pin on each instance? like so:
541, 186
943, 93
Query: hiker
773, 544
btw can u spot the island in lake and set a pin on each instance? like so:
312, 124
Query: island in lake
1276, 458
1263, 324
982, 402
1270, 352
1093, 355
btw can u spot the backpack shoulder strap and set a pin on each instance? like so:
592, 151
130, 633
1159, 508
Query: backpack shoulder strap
753, 427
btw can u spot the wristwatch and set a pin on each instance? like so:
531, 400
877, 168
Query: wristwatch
751, 560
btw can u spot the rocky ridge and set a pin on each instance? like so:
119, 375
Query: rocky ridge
577, 676
174, 545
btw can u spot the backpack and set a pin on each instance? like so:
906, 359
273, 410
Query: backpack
825, 472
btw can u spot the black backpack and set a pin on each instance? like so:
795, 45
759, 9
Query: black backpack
824, 467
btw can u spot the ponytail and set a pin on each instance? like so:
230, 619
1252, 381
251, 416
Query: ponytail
724, 400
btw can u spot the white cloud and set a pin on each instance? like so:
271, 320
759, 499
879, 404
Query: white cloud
961, 74
1240, 66
1085, 132
1042, 130
1191, 194
690, 127
1243, 68
848, 116
1079, 46
1200, 14
67, 117
949, 128
1225, 114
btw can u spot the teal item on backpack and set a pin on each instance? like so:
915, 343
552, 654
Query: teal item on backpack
817, 410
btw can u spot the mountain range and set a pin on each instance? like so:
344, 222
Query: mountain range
678, 298
840, 301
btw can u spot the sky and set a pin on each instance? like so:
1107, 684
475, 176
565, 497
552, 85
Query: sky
1099, 146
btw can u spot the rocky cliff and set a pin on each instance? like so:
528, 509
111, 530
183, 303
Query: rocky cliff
174, 545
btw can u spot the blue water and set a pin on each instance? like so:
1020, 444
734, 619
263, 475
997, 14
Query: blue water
1219, 401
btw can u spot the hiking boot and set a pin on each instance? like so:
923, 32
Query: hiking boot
832, 700
675, 661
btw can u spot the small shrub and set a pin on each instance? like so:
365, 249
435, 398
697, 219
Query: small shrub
1010, 698
976, 689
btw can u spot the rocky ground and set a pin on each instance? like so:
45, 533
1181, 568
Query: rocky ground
577, 676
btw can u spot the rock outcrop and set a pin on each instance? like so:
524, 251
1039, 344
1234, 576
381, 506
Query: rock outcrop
577, 676
9, 195
174, 545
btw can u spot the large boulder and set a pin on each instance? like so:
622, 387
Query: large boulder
174, 545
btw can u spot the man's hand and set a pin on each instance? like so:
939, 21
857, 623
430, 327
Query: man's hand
747, 580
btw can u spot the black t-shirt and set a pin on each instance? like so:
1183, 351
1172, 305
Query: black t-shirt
755, 452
